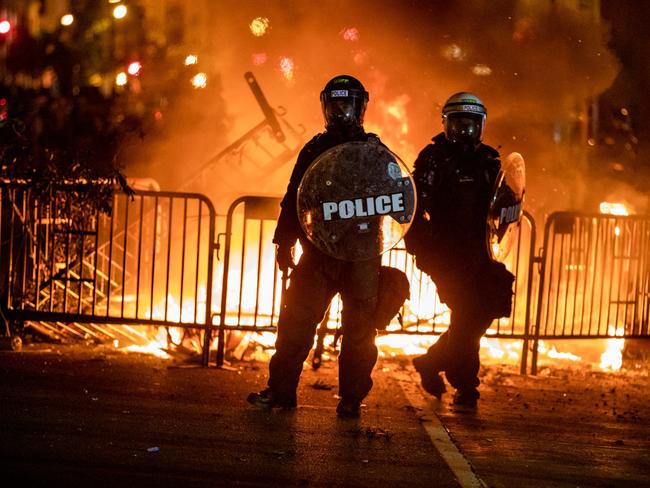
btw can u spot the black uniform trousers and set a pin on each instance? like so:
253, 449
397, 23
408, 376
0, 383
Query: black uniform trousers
457, 350
315, 280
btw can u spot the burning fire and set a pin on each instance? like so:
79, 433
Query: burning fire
553, 353
397, 109
256, 303
612, 358
613, 208
158, 345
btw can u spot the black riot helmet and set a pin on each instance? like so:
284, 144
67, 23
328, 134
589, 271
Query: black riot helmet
463, 117
344, 101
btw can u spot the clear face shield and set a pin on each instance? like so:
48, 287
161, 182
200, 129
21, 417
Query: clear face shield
464, 128
343, 112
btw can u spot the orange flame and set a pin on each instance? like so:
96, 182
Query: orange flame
612, 358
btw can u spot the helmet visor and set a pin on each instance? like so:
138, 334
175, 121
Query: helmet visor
464, 127
343, 112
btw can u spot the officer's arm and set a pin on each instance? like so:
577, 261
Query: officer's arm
288, 227
416, 238
423, 174
494, 167
492, 163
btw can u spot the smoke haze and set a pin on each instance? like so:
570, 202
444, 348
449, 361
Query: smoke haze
536, 67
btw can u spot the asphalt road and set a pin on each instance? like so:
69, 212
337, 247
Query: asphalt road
83, 416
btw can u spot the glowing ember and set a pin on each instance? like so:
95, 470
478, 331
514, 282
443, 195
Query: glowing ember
482, 70
259, 58
360, 57
612, 358
350, 34
259, 26
200, 80
287, 68
191, 59
454, 52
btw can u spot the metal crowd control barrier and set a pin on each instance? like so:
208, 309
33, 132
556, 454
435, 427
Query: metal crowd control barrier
79, 274
595, 278
251, 283
150, 262
251, 286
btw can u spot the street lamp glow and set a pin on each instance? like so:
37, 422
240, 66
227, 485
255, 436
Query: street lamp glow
119, 12
199, 80
5, 27
134, 68
191, 59
121, 79
67, 19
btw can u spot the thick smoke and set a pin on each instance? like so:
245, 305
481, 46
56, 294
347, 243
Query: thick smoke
536, 65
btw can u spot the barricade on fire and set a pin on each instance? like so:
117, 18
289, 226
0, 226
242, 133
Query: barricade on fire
251, 284
152, 262
89, 275
595, 278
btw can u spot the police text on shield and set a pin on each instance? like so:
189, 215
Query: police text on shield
364, 207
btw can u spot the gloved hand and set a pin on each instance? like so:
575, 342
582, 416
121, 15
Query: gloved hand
284, 257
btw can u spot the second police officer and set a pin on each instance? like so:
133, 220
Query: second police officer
455, 177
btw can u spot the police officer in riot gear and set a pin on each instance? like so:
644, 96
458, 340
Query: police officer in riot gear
317, 277
455, 177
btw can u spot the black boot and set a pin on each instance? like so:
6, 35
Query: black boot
466, 397
348, 409
267, 399
432, 382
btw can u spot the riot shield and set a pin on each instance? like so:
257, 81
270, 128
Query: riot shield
356, 201
504, 215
